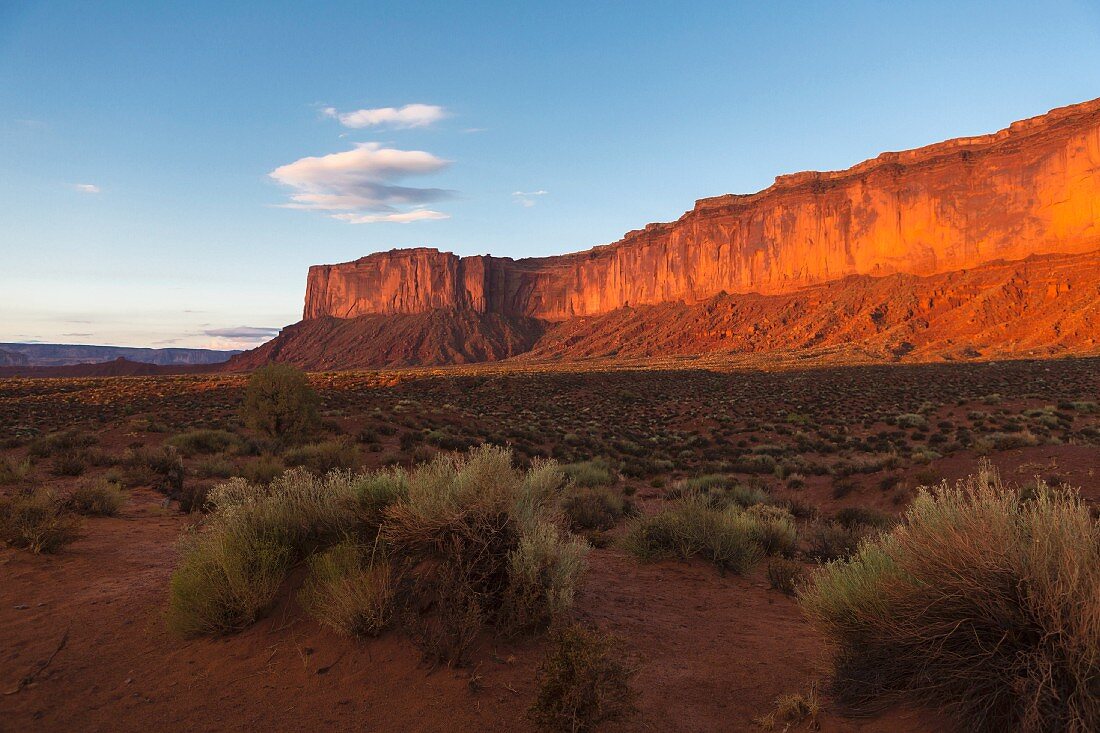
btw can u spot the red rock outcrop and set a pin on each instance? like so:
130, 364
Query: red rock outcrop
1033, 188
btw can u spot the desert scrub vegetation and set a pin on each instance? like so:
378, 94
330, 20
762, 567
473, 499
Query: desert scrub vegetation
591, 473
792, 709
14, 471
462, 543
594, 509
350, 588
205, 442
984, 602
279, 403
690, 528
37, 522
323, 457
582, 683
100, 499
231, 568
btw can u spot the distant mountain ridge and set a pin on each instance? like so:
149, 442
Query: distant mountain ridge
50, 355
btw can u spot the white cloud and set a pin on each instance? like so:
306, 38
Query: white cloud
406, 217
244, 333
361, 183
411, 115
527, 198
86, 187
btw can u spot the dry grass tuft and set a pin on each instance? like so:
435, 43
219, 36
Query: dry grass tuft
582, 683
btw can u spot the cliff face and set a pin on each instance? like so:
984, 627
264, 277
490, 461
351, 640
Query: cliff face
1033, 188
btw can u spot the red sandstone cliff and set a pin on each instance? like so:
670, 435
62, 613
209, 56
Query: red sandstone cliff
984, 247
1033, 188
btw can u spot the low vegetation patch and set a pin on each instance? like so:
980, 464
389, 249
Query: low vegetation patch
37, 522
582, 683
593, 509
203, 442
692, 528
350, 588
982, 603
100, 499
587, 474
323, 457
459, 544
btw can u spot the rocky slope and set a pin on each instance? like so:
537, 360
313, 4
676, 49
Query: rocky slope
903, 254
441, 336
1039, 307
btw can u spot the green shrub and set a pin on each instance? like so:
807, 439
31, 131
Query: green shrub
475, 538
582, 683
785, 574
592, 473
203, 442
830, 540
230, 571
101, 499
375, 492
69, 462
981, 604
853, 517
349, 591
593, 509
262, 470
773, 529
323, 457
37, 522
216, 467
691, 528
66, 440
465, 541
279, 403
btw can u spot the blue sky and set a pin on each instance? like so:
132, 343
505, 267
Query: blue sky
156, 181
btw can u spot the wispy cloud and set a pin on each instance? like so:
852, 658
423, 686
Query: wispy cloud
361, 184
244, 333
411, 115
527, 199
86, 188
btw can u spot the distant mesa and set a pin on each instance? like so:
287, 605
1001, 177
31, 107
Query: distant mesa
51, 355
980, 247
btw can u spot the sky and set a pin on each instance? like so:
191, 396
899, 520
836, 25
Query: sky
168, 171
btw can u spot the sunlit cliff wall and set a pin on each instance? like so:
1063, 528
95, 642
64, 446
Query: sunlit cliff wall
1033, 188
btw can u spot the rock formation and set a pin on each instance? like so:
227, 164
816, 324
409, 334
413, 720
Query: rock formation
1033, 188
907, 219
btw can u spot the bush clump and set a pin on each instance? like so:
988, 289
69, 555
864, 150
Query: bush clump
479, 543
692, 528
349, 590
455, 545
582, 683
593, 509
323, 457
230, 571
204, 442
37, 522
101, 499
279, 403
590, 474
981, 603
